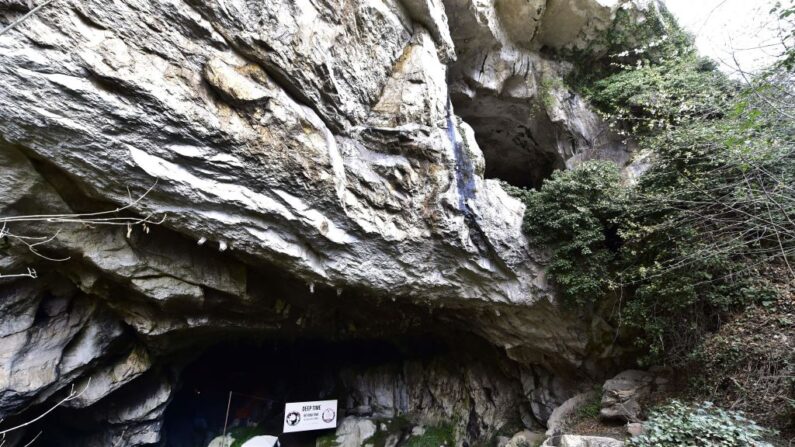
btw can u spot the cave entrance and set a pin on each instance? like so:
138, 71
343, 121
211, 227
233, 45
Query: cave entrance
519, 143
519, 165
263, 376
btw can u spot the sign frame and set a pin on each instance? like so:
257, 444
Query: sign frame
310, 415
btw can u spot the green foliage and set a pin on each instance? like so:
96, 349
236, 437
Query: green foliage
243, 434
546, 90
634, 39
684, 246
678, 424
648, 97
514, 191
650, 37
714, 208
751, 363
590, 410
573, 214
653, 79
329, 440
441, 435
785, 12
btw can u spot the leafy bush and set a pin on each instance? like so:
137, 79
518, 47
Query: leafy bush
634, 38
682, 248
785, 12
574, 214
677, 424
652, 77
712, 211
685, 246
649, 97
749, 365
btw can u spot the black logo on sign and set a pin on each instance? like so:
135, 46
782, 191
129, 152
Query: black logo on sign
328, 415
293, 418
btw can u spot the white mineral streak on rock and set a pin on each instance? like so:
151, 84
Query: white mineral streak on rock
162, 169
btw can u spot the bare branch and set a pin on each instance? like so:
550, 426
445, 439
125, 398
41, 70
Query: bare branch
25, 17
71, 396
103, 218
30, 274
33, 440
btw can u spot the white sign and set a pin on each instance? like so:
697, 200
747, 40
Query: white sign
305, 416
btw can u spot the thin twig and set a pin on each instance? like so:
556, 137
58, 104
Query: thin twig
72, 395
25, 17
104, 218
33, 440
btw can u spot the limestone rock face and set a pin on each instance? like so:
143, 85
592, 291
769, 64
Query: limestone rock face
527, 121
293, 149
482, 393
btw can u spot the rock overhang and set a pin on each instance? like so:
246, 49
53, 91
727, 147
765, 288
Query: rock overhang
315, 141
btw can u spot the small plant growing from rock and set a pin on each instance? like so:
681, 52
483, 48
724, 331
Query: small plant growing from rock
437, 436
678, 424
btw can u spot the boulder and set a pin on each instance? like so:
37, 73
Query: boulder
588, 441
621, 395
262, 441
559, 416
221, 441
526, 438
353, 432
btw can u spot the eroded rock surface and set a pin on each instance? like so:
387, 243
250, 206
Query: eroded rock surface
527, 121
330, 150
623, 394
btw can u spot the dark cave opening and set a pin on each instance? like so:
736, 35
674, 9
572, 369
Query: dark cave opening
263, 376
316, 344
522, 168
401, 368
518, 142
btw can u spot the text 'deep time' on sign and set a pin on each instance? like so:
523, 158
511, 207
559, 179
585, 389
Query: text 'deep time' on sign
305, 416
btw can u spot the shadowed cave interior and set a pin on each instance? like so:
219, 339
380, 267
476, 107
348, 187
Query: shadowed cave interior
399, 381
263, 376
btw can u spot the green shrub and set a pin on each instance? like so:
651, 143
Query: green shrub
437, 436
677, 252
652, 97
590, 410
784, 10
329, 440
677, 424
634, 39
652, 77
574, 214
